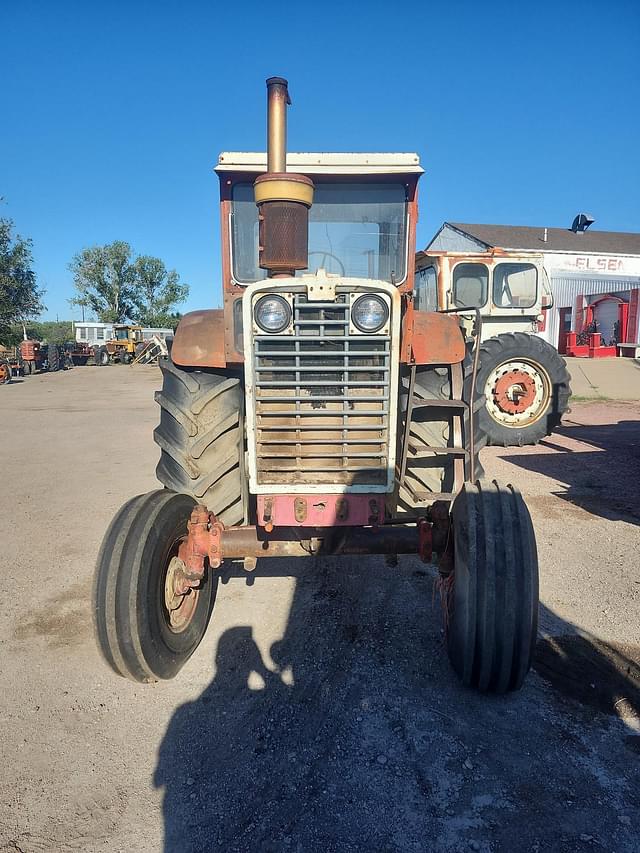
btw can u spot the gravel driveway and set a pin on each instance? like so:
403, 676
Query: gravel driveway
320, 713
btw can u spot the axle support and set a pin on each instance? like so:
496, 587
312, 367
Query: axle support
208, 539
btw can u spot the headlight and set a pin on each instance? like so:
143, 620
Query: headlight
369, 313
272, 313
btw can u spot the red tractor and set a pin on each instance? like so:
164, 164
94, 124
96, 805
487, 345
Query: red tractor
319, 412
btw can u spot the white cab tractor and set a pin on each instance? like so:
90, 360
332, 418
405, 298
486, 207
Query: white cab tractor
523, 378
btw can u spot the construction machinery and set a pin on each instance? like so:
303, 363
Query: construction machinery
123, 346
522, 378
320, 412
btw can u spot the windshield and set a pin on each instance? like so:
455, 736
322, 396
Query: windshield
122, 334
355, 230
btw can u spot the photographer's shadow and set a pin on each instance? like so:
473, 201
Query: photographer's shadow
208, 763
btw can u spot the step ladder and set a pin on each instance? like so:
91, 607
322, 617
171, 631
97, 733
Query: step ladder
457, 410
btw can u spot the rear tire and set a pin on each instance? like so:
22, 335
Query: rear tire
434, 428
201, 437
101, 356
545, 392
125, 358
492, 607
53, 358
132, 621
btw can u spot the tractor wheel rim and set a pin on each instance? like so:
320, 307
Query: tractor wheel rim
179, 608
517, 393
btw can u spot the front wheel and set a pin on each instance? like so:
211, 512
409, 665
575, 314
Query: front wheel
144, 630
492, 601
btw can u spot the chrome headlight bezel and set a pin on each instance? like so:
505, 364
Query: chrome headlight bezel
277, 330
382, 302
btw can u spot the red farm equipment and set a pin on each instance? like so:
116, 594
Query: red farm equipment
320, 412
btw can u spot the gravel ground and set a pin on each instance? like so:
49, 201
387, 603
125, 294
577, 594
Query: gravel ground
320, 713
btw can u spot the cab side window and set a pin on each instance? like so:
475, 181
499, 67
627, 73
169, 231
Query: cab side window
470, 285
515, 285
426, 290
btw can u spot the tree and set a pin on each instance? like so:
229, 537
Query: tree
158, 290
51, 331
104, 277
118, 288
20, 298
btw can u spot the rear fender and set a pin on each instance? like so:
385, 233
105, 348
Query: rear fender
199, 340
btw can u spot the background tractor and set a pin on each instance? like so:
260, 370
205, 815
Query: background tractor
321, 411
126, 342
523, 379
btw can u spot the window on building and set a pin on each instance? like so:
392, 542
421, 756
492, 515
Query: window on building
470, 285
515, 285
82, 333
91, 333
426, 290
100, 334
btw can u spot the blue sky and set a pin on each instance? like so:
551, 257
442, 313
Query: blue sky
113, 114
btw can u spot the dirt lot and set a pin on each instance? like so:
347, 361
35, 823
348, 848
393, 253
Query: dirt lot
320, 713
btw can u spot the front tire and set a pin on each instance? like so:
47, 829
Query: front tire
492, 602
138, 624
526, 385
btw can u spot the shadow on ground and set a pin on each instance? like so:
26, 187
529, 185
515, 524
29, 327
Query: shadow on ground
598, 465
361, 738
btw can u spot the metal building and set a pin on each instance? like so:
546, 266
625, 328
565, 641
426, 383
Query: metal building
592, 273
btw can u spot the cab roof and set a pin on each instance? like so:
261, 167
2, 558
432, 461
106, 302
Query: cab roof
346, 163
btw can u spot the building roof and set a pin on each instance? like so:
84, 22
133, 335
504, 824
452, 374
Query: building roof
333, 163
558, 239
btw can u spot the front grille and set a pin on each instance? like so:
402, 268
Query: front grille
322, 400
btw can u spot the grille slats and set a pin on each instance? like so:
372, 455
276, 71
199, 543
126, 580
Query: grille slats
322, 400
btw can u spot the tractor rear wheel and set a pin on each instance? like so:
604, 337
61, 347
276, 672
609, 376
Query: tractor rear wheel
101, 356
201, 437
492, 601
53, 357
144, 630
436, 428
526, 385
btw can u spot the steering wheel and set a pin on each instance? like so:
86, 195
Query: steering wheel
326, 255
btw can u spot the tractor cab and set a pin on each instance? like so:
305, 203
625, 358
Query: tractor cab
511, 291
124, 333
361, 228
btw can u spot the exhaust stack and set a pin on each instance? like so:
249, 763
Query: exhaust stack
283, 198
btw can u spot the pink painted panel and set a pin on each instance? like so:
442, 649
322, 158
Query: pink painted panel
321, 510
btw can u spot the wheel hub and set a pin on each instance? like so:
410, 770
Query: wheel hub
180, 600
517, 393
514, 392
